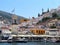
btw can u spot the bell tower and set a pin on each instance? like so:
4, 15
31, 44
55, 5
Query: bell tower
14, 17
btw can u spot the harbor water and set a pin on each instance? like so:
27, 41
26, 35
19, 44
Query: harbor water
31, 43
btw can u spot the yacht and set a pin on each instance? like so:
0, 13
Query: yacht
16, 39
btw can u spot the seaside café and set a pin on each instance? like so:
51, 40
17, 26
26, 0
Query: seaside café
5, 31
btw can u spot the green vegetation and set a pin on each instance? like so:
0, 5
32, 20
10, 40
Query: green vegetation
38, 14
8, 16
45, 19
54, 15
58, 18
38, 22
53, 26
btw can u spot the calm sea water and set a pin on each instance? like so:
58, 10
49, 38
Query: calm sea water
31, 43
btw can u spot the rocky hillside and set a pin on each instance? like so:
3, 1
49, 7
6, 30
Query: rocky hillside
7, 17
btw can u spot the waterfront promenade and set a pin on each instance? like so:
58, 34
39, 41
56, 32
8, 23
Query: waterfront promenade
34, 36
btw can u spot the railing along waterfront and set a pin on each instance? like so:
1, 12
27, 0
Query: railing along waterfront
34, 36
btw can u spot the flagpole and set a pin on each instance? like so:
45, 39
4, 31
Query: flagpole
13, 11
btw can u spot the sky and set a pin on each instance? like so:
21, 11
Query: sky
28, 8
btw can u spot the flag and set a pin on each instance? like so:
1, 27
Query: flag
13, 10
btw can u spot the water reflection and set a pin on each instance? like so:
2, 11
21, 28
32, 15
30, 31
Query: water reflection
13, 43
31, 43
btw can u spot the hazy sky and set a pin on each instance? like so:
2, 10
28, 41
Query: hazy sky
28, 8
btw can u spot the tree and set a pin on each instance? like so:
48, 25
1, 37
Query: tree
38, 14
54, 15
58, 18
45, 19
38, 22
53, 26
48, 10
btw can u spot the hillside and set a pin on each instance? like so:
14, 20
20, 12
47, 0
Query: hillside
48, 16
8, 17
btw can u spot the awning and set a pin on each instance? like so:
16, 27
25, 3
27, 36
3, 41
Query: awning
6, 31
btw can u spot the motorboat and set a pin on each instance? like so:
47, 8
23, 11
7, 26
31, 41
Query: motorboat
17, 40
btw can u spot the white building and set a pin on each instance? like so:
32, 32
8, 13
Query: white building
5, 32
53, 32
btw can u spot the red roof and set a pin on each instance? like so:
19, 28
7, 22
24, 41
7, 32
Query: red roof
4, 28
